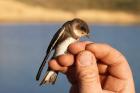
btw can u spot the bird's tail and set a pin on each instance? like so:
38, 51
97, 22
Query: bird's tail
49, 78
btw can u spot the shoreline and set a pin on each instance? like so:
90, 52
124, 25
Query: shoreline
14, 11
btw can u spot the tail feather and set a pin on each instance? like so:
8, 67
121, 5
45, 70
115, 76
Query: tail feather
49, 78
42, 66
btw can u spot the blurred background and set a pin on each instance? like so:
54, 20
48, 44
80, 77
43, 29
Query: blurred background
27, 26
98, 11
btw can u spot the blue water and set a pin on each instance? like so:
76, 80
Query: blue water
23, 46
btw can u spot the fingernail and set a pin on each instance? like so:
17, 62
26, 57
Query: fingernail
85, 58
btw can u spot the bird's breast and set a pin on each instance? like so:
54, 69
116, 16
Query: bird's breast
62, 47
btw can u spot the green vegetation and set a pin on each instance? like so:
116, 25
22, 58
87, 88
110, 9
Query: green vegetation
74, 5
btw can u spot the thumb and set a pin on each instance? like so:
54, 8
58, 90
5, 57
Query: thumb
87, 73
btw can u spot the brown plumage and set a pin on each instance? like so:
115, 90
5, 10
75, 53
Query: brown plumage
68, 33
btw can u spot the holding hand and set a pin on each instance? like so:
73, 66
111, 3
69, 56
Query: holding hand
95, 68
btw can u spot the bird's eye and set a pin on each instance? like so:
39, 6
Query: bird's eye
82, 28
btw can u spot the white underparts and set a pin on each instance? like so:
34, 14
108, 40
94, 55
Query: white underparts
62, 47
49, 75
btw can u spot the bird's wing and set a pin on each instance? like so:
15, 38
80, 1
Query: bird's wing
51, 46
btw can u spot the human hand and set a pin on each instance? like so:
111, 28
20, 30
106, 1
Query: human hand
95, 68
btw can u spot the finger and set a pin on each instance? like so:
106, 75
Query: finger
103, 78
77, 47
53, 64
118, 66
102, 72
65, 60
107, 91
87, 73
102, 67
71, 75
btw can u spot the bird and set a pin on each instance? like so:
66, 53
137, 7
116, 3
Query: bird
70, 32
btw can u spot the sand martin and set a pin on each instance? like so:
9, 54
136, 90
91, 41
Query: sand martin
70, 32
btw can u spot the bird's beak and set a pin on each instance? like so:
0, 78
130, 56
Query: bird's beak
88, 35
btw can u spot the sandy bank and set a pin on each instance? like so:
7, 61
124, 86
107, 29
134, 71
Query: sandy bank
14, 11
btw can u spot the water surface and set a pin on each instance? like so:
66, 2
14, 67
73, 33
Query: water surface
23, 46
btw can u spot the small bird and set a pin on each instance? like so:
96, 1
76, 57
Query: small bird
70, 32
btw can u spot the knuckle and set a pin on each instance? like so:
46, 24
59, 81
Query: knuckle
87, 76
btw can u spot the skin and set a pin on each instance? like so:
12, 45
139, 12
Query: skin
95, 68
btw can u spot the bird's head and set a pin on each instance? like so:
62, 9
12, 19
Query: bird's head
79, 28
